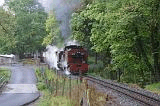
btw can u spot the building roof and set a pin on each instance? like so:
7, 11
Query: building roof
8, 56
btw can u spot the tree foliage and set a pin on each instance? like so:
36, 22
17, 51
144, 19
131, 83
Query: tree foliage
30, 28
128, 31
53, 31
7, 31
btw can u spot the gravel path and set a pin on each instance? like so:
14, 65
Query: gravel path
21, 88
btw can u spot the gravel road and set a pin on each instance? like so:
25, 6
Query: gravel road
21, 88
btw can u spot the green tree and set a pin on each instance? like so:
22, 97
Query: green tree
152, 13
30, 25
7, 31
53, 31
127, 31
90, 22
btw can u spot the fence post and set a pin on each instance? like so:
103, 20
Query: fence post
87, 92
119, 76
51, 85
63, 86
78, 86
70, 87
134, 78
56, 85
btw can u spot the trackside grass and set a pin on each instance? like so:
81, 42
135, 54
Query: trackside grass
154, 88
50, 100
51, 85
61, 91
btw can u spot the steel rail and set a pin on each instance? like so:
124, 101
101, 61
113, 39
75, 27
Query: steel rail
142, 98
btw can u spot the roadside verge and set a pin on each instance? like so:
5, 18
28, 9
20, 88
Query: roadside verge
5, 75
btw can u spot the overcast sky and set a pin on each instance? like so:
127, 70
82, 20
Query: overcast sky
1, 2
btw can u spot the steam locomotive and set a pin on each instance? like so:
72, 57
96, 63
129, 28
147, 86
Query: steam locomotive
72, 59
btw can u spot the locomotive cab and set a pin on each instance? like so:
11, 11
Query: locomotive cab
76, 59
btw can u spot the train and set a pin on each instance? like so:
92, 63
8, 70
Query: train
72, 59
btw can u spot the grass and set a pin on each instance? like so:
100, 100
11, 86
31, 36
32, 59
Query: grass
154, 88
5, 72
29, 61
50, 100
51, 97
54, 96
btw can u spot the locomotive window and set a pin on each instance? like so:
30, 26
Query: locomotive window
74, 56
77, 55
77, 60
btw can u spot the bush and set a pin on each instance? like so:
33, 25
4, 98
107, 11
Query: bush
95, 68
41, 86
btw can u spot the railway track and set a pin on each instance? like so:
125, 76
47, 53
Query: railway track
140, 97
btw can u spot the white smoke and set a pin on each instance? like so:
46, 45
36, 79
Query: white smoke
50, 56
71, 42
63, 10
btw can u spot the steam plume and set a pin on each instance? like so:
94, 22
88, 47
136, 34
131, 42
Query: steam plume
63, 10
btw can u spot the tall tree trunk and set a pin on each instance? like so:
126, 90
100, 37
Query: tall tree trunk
154, 28
96, 58
144, 55
155, 54
21, 55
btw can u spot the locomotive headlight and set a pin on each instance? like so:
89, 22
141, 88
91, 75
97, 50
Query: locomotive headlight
67, 65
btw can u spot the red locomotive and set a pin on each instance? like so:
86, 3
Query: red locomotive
73, 59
